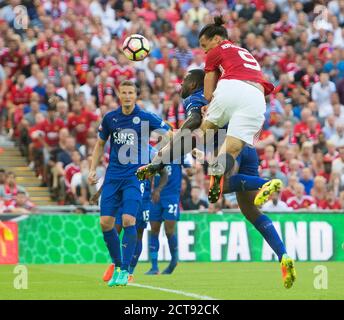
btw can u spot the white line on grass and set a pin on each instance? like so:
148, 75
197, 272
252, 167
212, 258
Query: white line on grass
183, 293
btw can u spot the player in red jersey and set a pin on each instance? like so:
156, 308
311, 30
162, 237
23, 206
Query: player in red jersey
235, 86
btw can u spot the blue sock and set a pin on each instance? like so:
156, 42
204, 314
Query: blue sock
264, 225
243, 182
136, 256
173, 245
128, 245
113, 244
154, 249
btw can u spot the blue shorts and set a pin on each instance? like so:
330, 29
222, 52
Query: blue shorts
142, 216
248, 161
165, 209
125, 193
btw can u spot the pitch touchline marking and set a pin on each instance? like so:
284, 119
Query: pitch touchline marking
187, 294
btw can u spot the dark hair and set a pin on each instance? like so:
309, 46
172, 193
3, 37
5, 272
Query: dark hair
213, 29
196, 76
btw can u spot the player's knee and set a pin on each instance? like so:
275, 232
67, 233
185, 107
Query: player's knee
106, 224
128, 220
169, 229
234, 146
155, 229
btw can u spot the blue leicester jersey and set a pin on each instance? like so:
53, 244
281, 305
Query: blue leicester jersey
147, 190
147, 183
129, 140
194, 102
174, 183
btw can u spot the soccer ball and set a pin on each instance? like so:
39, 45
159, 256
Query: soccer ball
136, 47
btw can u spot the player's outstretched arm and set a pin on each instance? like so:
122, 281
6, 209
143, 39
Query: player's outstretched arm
192, 123
96, 155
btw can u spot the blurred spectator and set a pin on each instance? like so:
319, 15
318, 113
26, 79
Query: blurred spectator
271, 13
192, 35
289, 190
330, 202
183, 53
301, 201
197, 11
2, 177
274, 172
275, 204
318, 191
247, 10
161, 23
21, 204
10, 188
307, 180
195, 203
321, 95
338, 137
327, 168
72, 178
185, 191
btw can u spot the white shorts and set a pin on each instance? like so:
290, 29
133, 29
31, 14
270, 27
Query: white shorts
240, 105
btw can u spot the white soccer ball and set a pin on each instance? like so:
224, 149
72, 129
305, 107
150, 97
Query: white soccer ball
136, 47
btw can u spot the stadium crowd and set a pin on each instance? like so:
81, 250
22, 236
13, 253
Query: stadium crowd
60, 68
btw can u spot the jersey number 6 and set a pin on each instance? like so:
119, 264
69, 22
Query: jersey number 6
246, 56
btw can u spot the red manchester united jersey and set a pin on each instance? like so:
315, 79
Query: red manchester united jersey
304, 203
81, 123
237, 63
51, 130
70, 170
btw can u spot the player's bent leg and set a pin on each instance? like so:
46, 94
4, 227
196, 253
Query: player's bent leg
243, 182
266, 228
154, 247
270, 187
223, 166
173, 245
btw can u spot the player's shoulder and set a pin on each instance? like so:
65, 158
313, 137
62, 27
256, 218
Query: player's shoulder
147, 115
110, 114
195, 99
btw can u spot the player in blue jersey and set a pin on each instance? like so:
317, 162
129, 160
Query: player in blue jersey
129, 129
244, 180
142, 217
165, 208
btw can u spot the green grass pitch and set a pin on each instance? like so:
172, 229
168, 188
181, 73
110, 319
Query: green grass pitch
231, 280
